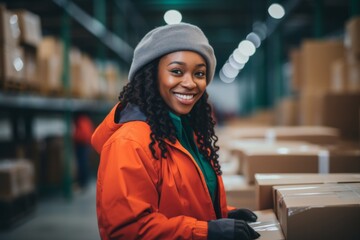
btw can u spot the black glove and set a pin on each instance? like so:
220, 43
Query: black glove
242, 214
230, 229
244, 231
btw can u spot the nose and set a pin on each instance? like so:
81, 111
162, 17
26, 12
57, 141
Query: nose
188, 81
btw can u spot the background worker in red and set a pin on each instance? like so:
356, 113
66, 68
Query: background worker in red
159, 175
83, 129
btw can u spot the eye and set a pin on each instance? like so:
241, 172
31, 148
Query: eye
176, 71
200, 74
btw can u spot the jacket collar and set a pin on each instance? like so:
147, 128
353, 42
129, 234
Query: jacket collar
130, 113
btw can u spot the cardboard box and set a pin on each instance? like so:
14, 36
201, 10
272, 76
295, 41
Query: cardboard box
344, 160
321, 135
25, 175
340, 111
339, 76
30, 28
310, 107
239, 194
354, 77
317, 57
267, 225
352, 58
16, 177
296, 69
274, 162
9, 27
50, 75
345, 76
84, 76
258, 156
325, 211
287, 112
237, 148
352, 35
50, 46
9, 186
290, 157
31, 75
11, 63
265, 182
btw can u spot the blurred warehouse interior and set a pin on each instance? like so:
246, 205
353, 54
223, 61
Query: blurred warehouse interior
298, 80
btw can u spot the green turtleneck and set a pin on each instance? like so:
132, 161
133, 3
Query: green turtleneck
185, 136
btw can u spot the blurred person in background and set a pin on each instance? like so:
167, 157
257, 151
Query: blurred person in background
159, 175
83, 129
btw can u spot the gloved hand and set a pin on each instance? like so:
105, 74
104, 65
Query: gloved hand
242, 214
230, 229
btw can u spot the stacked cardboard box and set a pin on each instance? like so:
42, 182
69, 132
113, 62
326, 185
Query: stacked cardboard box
294, 157
20, 34
296, 77
50, 61
264, 184
317, 59
16, 177
30, 37
287, 112
312, 206
11, 54
339, 76
325, 211
86, 80
322, 70
340, 111
352, 43
312, 134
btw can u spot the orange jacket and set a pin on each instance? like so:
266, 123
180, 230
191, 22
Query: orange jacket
138, 196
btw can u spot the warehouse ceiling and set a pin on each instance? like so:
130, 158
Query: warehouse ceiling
225, 22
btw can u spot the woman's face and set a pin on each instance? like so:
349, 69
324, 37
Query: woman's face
182, 80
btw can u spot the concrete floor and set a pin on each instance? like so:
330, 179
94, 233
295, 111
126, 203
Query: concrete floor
59, 219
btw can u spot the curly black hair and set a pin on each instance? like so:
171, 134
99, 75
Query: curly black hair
143, 92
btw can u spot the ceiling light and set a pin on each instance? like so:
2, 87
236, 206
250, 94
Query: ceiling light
276, 11
172, 17
229, 71
234, 63
247, 48
254, 38
239, 57
224, 78
260, 29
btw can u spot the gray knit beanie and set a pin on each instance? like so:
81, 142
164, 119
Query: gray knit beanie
171, 38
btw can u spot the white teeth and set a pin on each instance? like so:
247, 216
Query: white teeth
182, 96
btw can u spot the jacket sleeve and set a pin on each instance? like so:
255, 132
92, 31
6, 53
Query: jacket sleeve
127, 198
105, 129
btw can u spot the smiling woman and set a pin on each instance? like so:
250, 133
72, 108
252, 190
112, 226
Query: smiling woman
182, 80
159, 175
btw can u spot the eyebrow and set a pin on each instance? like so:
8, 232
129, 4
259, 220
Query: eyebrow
182, 63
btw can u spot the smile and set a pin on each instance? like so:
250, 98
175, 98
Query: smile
183, 96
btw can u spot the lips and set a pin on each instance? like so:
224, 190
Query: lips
185, 98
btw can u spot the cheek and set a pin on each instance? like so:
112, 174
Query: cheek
166, 82
202, 86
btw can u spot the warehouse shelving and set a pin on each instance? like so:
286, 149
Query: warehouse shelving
22, 108
46, 104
